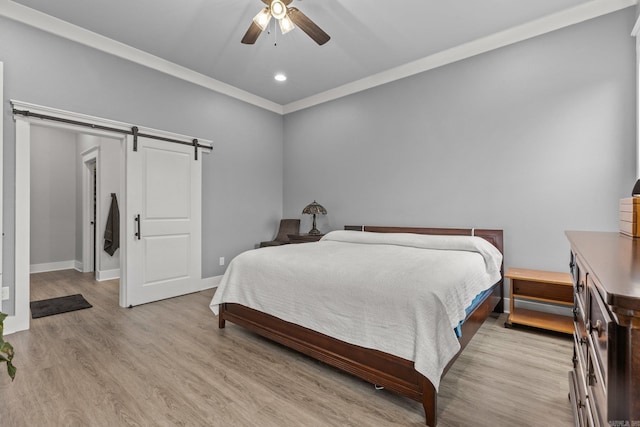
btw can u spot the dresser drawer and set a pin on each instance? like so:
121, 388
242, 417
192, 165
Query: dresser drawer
583, 413
579, 276
600, 329
580, 386
577, 405
597, 391
580, 329
580, 352
590, 415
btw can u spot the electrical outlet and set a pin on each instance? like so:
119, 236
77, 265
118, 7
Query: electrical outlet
221, 260
5, 293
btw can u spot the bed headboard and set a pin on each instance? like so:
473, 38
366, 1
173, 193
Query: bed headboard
492, 236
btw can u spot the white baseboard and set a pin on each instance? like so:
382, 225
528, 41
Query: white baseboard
13, 324
52, 266
211, 282
546, 308
78, 266
108, 274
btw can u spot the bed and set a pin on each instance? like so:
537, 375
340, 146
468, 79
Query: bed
376, 359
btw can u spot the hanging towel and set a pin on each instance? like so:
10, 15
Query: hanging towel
112, 230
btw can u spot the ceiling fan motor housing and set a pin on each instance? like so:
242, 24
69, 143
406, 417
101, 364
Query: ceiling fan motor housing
278, 9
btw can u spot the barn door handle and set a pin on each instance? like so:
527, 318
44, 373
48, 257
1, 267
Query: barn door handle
138, 233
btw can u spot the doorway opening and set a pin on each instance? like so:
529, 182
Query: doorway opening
89, 201
70, 175
90, 207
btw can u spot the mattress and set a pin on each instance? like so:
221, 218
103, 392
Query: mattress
474, 304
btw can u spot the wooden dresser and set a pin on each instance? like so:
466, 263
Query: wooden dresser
605, 380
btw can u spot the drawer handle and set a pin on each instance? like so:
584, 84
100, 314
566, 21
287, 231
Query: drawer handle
580, 286
597, 328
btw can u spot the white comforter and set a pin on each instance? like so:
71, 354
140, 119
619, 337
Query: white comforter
399, 293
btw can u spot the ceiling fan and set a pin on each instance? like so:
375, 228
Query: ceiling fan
287, 17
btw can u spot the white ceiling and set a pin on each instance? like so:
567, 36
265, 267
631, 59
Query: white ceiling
367, 36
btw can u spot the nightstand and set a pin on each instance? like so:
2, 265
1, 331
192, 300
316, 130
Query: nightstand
304, 238
541, 287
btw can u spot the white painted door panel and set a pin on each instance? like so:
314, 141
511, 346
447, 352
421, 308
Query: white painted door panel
163, 186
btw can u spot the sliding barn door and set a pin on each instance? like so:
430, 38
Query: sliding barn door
163, 208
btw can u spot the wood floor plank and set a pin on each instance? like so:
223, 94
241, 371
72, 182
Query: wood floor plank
167, 364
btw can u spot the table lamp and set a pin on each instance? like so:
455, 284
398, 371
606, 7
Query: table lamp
314, 209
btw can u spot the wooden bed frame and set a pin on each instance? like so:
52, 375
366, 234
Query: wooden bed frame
374, 366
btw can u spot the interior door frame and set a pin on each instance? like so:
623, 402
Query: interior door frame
20, 320
89, 235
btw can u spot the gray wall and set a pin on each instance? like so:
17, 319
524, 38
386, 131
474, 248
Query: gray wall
244, 170
534, 138
53, 195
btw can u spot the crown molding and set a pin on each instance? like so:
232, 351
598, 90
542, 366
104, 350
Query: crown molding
556, 21
58, 27
549, 23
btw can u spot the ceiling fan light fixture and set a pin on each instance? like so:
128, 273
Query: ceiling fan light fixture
262, 18
278, 9
286, 24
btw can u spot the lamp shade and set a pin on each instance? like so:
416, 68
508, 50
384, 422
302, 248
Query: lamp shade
634, 192
314, 208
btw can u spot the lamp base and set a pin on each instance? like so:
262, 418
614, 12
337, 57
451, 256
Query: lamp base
314, 232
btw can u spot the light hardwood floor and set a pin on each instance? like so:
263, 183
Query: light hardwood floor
167, 364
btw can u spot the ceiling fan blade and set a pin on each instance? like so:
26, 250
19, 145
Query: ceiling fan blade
308, 26
252, 34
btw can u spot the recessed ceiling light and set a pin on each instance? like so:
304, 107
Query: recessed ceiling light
280, 77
